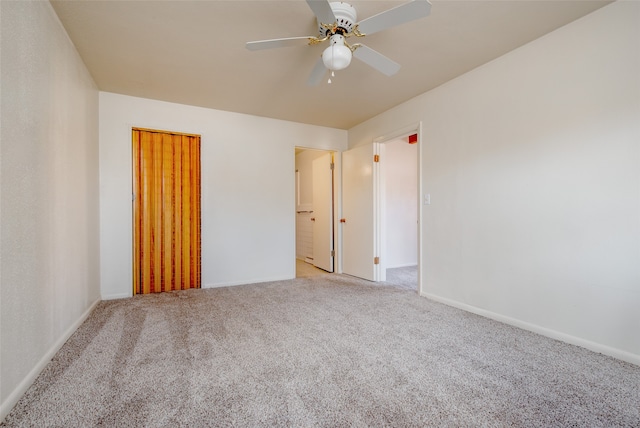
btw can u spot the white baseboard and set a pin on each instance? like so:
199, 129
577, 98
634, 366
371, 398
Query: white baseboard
117, 296
250, 281
22, 387
404, 265
210, 285
567, 338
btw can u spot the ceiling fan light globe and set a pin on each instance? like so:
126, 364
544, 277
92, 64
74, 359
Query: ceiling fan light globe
336, 57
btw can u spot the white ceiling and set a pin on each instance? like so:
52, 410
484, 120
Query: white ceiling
193, 52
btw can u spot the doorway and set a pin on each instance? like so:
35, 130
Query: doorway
166, 211
399, 203
315, 231
362, 222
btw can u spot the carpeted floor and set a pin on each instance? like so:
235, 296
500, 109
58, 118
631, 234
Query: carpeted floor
328, 351
403, 277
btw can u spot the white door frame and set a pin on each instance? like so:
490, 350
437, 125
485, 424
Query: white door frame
378, 188
322, 220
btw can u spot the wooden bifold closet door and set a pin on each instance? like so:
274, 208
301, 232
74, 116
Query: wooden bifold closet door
166, 211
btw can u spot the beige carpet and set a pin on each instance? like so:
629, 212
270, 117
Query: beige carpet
329, 351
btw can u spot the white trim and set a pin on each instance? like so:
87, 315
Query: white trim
420, 208
553, 334
249, 281
379, 273
402, 266
117, 296
401, 132
28, 380
215, 285
337, 211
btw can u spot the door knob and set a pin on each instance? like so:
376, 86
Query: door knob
313, 219
343, 220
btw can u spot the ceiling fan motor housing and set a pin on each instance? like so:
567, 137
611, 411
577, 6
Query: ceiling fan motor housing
345, 18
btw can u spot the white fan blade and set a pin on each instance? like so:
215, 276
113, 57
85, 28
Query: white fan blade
278, 43
376, 60
322, 10
318, 72
398, 15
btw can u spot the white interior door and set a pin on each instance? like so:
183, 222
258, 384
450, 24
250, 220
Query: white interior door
322, 185
359, 226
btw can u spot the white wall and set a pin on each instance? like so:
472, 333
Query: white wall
49, 186
533, 166
400, 163
248, 182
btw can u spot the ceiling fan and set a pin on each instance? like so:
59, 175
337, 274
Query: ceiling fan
337, 21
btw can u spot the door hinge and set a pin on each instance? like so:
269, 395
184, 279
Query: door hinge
333, 253
376, 260
376, 158
333, 165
